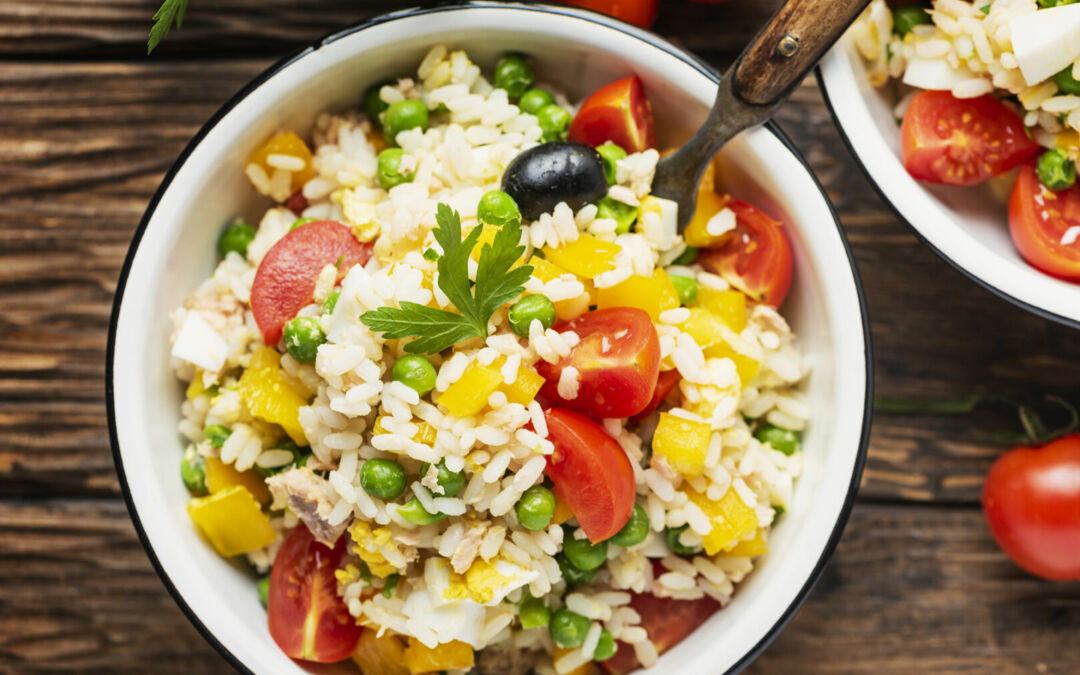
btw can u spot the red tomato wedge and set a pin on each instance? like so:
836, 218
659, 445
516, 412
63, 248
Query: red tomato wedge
965, 141
756, 256
1041, 223
307, 618
286, 277
618, 112
638, 12
590, 472
617, 359
664, 384
667, 623
1032, 503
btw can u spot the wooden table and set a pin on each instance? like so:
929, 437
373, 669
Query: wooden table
88, 126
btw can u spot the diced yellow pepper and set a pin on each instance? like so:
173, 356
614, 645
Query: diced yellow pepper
653, 294
749, 548
196, 388
682, 443
569, 309
544, 270
1068, 141
705, 327
524, 389
285, 143
744, 354
232, 521
708, 205
487, 236
380, 655
221, 476
454, 655
586, 256
562, 511
469, 394
270, 395
729, 305
669, 297
425, 433
731, 519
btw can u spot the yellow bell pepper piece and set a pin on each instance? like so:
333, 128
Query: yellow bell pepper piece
729, 305
586, 256
682, 443
270, 395
565, 310
708, 205
380, 655
705, 327
562, 511
425, 433
232, 521
749, 548
285, 143
454, 655
746, 356
732, 520
469, 395
525, 388
221, 476
196, 388
653, 294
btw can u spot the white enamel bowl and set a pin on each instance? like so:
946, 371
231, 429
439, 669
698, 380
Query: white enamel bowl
173, 250
967, 227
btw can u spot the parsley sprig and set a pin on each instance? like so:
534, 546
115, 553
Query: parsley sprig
171, 11
496, 284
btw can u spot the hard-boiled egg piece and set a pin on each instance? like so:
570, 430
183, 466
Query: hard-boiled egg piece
935, 74
198, 343
1046, 41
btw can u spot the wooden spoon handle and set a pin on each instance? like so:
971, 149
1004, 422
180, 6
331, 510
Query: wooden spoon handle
790, 45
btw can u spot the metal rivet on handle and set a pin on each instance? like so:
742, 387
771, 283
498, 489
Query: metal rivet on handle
788, 45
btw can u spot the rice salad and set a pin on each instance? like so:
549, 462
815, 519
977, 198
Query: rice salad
427, 502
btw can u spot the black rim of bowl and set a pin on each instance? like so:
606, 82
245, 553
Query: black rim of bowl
581, 15
884, 197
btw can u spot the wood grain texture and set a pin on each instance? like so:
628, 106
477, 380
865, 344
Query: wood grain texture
88, 126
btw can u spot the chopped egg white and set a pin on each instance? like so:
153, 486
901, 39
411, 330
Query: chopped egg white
198, 343
1046, 41
936, 74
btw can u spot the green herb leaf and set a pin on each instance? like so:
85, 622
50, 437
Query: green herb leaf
496, 284
171, 11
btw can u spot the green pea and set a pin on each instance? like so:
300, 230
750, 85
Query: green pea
235, 238
554, 121
389, 168
572, 575
404, 115
330, 302
391, 585
414, 512
610, 153
1066, 82
452, 482
216, 434
382, 478
498, 208
193, 471
784, 440
264, 590
524, 311
686, 287
535, 99
534, 613
300, 222
624, 215
677, 547
536, 508
907, 17
634, 531
568, 629
584, 555
605, 648
416, 372
514, 74
1055, 170
373, 103
687, 257
303, 337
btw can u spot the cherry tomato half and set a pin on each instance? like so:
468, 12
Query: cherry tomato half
618, 112
1038, 221
308, 620
962, 141
755, 257
667, 622
664, 384
638, 12
590, 472
286, 277
1032, 503
617, 359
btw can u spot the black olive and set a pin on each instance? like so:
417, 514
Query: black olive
561, 171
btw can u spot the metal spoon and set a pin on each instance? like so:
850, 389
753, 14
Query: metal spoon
752, 89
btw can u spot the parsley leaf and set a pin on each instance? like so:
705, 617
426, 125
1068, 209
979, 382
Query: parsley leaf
169, 12
496, 284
